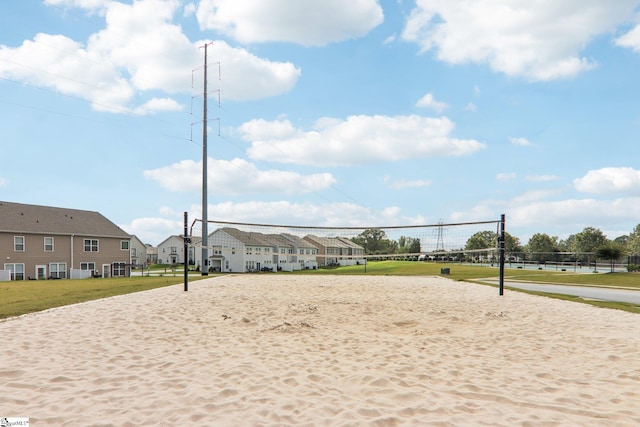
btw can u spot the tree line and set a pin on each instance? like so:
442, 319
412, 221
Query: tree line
375, 242
584, 246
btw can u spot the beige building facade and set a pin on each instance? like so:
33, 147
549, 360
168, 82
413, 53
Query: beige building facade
42, 242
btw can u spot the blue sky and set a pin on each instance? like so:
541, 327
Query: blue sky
331, 113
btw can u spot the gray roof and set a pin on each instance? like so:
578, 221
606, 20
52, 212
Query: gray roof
247, 238
287, 240
350, 243
333, 242
298, 242
34, 219
271, 240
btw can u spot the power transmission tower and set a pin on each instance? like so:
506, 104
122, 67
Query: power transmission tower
440, 240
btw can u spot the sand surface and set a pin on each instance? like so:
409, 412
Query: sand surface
263, 350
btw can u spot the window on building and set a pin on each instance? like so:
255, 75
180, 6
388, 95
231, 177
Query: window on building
174, 250
17, 271
18, 243
118, 269
88, 266
124, 245
48, 244
91, 245
91, 266
134, 251
58, 270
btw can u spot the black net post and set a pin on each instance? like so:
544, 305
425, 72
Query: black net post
186, 253
501, 249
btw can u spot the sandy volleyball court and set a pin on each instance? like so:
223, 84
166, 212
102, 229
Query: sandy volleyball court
262, 350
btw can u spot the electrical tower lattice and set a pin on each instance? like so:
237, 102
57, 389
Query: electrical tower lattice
440, 239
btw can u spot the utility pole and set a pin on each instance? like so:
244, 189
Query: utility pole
205, 222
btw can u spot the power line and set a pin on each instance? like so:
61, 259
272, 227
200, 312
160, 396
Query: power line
75, 116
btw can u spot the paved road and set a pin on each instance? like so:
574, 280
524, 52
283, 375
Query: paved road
606, 294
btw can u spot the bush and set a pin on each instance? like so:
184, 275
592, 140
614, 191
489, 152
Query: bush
631, 268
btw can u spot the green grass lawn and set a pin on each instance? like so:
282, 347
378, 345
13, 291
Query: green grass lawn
35, 295
475, 272
26, 296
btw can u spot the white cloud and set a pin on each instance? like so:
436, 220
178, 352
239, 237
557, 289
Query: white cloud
522, 142
158, 55
189, 9
538, 40
246, 76
306, 213
579, 213
154, 230
400, 184
356, 140
535, 195
428, 101
480, 212
542, 211
504, 177
61, 64
139, 50
631, 39
471, 107
621, 180
84, 4
3, 182
143, 43
237, 177
309, 23
158, 104
390, 39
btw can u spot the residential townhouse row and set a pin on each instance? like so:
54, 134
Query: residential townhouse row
233, 250
42, 242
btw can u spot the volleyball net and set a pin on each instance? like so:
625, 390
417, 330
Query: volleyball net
295, 247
